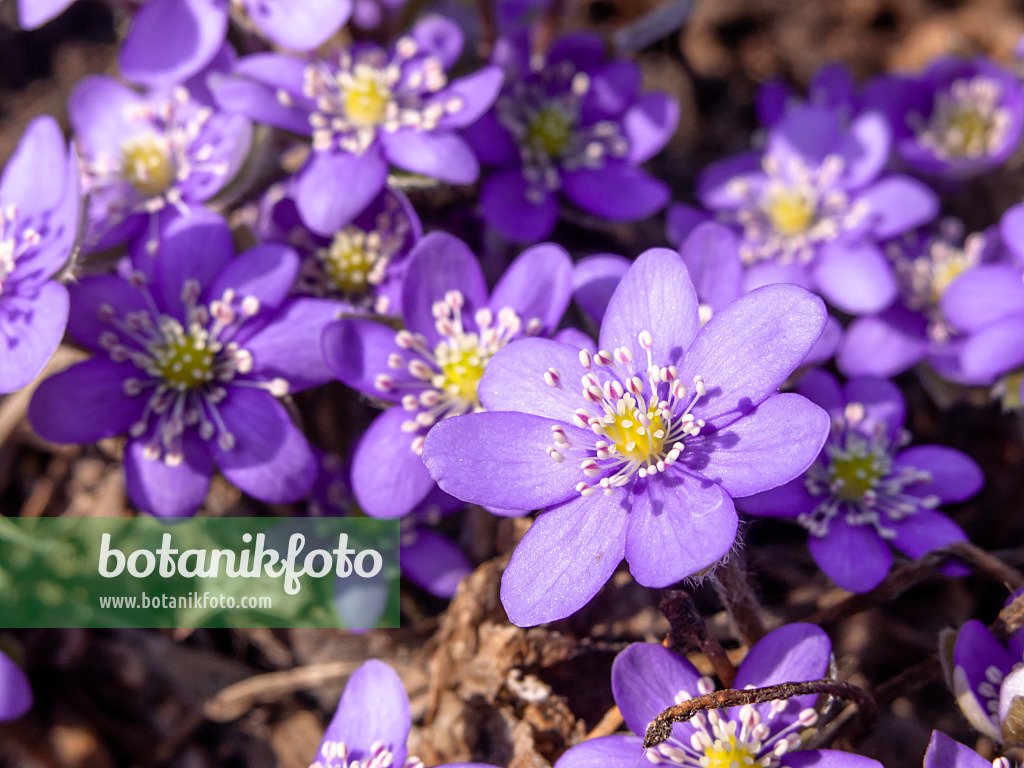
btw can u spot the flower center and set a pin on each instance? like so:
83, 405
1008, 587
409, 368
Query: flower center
791, 212
1010, 387
353, 261
637, 435
550, 130
461, 369
186, 361
728, 754
854, 474
366, 96
146, 164
967, 121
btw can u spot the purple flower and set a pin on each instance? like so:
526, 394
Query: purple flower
366, 107
649, 678
914, 328
431, 369
362, 264
427, 558
578, 124
943, 752
639, 448
39, 203
866, 491
813, 208
192, 349
35, 13
148, 158
958, 118
832, 87
15, 692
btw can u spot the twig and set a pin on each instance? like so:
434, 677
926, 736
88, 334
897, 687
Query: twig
548, 28
687, 629
1011, 618
988, 564
661, 728
738, 599
488, 29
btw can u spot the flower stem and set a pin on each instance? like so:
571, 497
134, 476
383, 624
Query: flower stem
687, 629
738, 599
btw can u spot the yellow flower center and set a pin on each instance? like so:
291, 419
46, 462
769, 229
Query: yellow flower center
727, 754
633, 440
186, 362
550, 129
462, 370
347, 261
790, 212
856, 475
366, 97
1011, 386
146, 164
967, 132
946, 271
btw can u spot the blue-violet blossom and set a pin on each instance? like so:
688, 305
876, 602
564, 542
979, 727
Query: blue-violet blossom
15, 692
943, 752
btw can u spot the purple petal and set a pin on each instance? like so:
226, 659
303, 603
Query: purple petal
594, 280
439, 36
257, 100
266, 272
170, 40
1011, 231
438, 264
786, 501
335, 188
899, 204
955, 477
995, 349
442, 155
271, 460
748, 349
712, 256
646, 678
825, 347
771, 273
196, 247
681, 220
491, 142
649, 124
432, 562
373, 710
388, 477
500, 459
101, 111
655, 295
31, 174
299, 25
163, 490
538, 285
15, 691
36, 331
853, 556
827, 758
477, 93
983, 295
821, 388
883, 345
288, 347
35, 13
85, 403
856, 278
883, 405
564, 559
715, 188
585, 50
514, 379
613, 88
767, 447
974, 652
680, 525
866, 148
943, 752
602, 752
356, 351
926, 531
88, 296
808, 133
505, 207
770, 101
616, 192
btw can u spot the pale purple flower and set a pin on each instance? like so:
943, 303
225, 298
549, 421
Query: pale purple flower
636, 449
35, 13
943, 752
366, 107
432, 368
832, 86
15, 692
575, 124
191, 350
959, 118
146, 158
648, 678
39, 204
814, 207
867, 490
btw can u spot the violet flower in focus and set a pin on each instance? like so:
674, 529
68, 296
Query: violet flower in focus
867, 490
146, 159
191, 350
365, 108
431, 369
15, 692
648, 678
943, 752
575, 124
39, 205
638, 449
